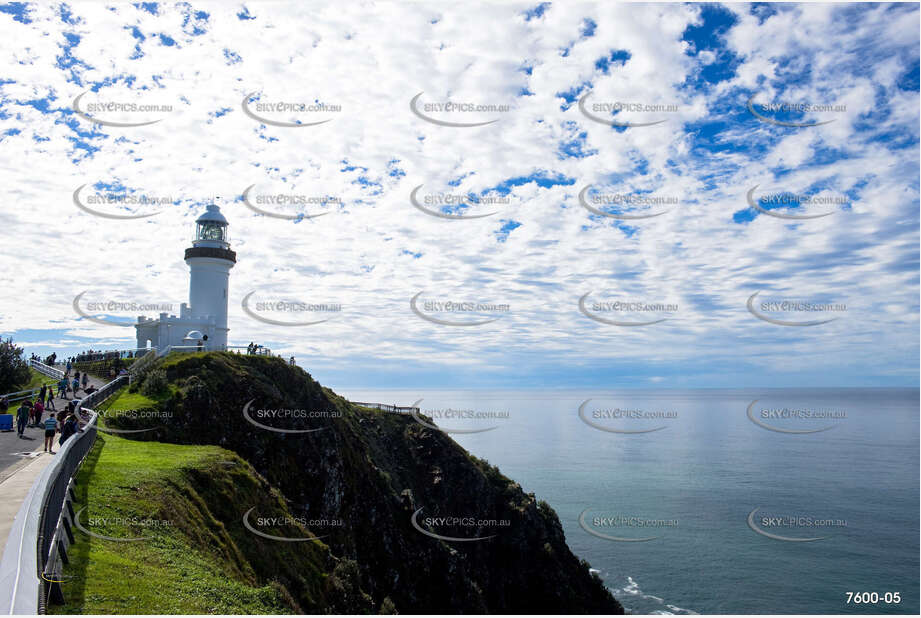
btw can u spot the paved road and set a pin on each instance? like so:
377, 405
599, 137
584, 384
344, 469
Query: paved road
16, 452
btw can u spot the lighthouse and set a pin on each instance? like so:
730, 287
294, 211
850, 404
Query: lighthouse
210, 260
202, 322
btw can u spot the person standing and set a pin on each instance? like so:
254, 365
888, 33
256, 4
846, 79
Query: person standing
38, 408
42, 393
50, 405
76, 387
51, 426
22, 416
62, 388
86, 380
68, 429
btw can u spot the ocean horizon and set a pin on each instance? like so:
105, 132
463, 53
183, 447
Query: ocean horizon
694, 476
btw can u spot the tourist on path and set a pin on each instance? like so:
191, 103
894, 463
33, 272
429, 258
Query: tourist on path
62, 389
86, 379
37, 410
50, 405
22, 416
51, 426
68, 429
76, 387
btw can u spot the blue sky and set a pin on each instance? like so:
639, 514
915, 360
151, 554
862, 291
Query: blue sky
178, 109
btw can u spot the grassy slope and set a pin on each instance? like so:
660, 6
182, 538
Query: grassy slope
203, 561
166, 574
131, 401
36, 380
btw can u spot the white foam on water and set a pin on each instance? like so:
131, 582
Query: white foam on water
632, 589
679, 610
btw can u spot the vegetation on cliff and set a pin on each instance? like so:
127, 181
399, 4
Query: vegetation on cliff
357, 479
159, 533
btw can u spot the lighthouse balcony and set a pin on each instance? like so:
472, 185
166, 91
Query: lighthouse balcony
211, 252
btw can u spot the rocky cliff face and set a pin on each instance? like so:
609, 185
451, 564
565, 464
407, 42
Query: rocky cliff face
358, 479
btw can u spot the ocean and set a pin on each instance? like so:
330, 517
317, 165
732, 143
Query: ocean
714, 501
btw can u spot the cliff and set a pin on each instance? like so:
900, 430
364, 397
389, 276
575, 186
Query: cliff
356, 477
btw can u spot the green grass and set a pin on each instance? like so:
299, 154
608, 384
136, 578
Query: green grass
173, 358
126, 400
36, 380
170, 571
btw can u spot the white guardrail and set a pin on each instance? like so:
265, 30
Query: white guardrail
30, 393
43, 528
47, 370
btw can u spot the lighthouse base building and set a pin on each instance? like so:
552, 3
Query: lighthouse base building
202, 322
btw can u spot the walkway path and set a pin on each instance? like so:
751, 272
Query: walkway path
22, 460
16, 452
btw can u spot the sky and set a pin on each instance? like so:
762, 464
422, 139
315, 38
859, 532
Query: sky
769, 152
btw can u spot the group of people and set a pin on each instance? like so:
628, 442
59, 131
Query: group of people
66, 385
97, 355
29, 414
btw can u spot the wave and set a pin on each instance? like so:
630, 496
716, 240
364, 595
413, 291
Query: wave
631, 594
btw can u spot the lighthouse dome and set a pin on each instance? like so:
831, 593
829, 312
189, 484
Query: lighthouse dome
212, 215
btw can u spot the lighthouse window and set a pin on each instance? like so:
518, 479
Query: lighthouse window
211, 231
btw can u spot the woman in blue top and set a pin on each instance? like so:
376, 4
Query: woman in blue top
51, 426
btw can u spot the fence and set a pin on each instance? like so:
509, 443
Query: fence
30, 393
20, 395
140, 365
47, 370
258, 350
43, 529
103, 355
383, 407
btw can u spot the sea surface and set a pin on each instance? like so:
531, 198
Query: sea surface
721, 501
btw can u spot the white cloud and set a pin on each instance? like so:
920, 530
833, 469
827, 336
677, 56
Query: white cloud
372, 59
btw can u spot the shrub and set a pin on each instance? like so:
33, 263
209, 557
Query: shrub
14, 371
154, 384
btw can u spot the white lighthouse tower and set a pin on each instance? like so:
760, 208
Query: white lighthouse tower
210, 260
202, 322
